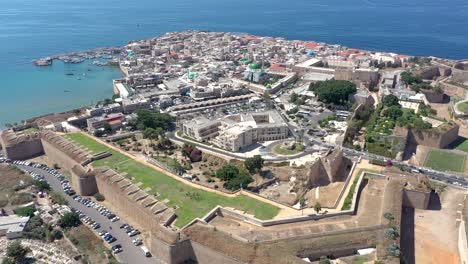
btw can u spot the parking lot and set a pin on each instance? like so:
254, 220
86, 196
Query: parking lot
105, 224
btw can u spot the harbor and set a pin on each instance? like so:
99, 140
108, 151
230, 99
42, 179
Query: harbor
100, 57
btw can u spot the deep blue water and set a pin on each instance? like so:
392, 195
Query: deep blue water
30, 29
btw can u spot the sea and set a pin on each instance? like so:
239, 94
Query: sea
30, 29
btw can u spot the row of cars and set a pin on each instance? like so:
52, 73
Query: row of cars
105, 235
100, 208
36, 176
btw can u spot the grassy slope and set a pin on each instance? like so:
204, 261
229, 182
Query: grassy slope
190, 206
463, 146
463, 107
444, 161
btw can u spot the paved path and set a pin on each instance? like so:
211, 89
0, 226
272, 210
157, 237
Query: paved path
130, 254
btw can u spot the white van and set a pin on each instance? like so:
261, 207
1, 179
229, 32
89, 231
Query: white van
145, 251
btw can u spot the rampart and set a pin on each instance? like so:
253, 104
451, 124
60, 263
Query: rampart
130, 199
21, 147
416, 199
72, 158
439, 137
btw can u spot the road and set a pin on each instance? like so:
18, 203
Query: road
130, 253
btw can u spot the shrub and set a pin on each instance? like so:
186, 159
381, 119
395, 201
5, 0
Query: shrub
69, 220
21, 198
41, 185
99, 197
196, 155
56, 234
25, 211
58, 198
16, 251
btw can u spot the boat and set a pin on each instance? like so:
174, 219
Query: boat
44, 61
69, 73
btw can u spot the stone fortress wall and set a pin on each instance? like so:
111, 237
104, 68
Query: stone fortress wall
21, 147
170, 244
439, 137
72, 158
416, 199
460, 72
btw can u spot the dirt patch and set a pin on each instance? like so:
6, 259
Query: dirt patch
90, 246
12, 180
325, 195
436, 231
454, 91
443, 110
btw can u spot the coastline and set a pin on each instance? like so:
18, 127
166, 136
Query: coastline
37, 91
80, 59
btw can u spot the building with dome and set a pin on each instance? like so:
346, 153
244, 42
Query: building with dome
254, 73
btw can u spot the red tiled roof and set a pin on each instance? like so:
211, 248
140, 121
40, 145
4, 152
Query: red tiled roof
311, 45
250, 37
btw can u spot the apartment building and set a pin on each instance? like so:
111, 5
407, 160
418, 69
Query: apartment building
238, 131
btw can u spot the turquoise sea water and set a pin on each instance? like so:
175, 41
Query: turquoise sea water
30, 29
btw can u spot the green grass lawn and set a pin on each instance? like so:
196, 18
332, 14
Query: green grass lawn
280, 149
463, 107
30, 130
445, 161
180, 194
463, 146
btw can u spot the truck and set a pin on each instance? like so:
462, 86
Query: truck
145, 251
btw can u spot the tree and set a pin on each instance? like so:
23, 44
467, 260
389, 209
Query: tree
409, 78
150, 133
317, 207
333, 91
393, 112
187, 150
254, 164
16, 251
195, 155
241, 181
233, 177
154, 119
56, 234
390, 100
99, 197
293, 97
42, 185
69, 220
107, 128
302, 204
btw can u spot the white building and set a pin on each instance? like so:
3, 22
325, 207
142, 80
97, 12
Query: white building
12, 226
